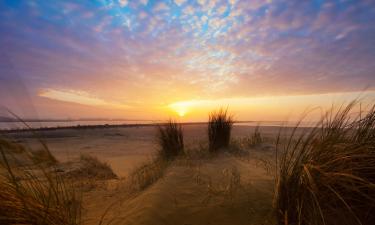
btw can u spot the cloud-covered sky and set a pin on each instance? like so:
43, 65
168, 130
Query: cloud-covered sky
72, 57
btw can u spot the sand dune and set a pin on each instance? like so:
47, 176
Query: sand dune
219, 190
222, 190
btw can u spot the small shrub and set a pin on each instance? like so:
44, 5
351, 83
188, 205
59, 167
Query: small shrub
219, 130
170, 139
327, 175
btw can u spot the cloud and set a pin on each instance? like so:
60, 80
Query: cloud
123, 3
161, 6
222, 9
202, 2
204, 19
78, 97
179, 2
189, 10
142, 15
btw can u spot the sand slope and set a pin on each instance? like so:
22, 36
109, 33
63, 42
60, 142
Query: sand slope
222, 191
198, 192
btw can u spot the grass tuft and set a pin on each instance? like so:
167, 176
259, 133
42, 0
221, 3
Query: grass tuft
147, 174
219, 130
170, 139
327, 175
90, 167
255, 139
43, 156
33, 194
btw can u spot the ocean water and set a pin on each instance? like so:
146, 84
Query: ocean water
52, 124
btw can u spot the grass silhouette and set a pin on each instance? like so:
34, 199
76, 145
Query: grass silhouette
34, 194
219, 130
327, 175
170, 139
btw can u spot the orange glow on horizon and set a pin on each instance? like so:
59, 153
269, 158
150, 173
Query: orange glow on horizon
281, 108
266, 108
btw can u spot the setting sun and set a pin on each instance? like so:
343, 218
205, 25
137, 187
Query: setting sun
181, 108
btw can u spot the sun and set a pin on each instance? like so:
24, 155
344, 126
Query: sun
180, 108
181, 112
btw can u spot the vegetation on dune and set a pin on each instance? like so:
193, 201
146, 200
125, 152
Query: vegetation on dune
170, 139
327, 174
219, 130
255, 138
10, 147
43, 156
148, 173
171, 144
92, 167
33, 194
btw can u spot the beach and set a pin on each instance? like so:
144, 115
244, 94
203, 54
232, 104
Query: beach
191, 191
122, 147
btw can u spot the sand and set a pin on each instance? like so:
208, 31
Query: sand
221, 190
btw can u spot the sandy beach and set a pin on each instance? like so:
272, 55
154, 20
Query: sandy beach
225, 189
124, 147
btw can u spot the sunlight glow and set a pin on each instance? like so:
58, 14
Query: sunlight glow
181, 108
270, 107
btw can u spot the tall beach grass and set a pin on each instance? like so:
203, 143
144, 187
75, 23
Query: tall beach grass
327, 174
220, 125
170, 139
34, 194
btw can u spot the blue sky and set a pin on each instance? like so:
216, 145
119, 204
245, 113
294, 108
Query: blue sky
68, 57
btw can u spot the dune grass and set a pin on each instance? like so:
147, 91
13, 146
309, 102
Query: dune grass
34, 194
147, 174
170, 139
220, 125
255, 138
327, 175
170, 142
43, 156
94, 168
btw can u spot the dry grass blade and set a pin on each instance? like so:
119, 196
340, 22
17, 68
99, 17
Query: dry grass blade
147, 174
35, 195
327, 174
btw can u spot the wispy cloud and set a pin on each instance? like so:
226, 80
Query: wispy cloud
123, 3
78, 97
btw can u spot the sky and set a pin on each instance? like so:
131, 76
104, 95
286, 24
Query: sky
264, 60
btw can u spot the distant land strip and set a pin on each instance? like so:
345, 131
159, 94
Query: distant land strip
101, 126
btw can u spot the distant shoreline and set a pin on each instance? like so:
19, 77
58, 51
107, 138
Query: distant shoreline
101, 126
104, 126
76, 127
